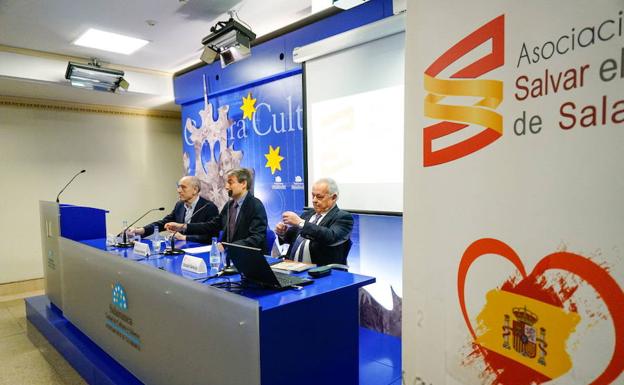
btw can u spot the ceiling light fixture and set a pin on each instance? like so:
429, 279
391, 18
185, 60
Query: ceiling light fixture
108, 41
348, 4
229, 40
93, 77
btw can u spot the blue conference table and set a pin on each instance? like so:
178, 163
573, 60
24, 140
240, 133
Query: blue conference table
306, 336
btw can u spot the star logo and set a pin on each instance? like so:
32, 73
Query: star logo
273, 159
248, 106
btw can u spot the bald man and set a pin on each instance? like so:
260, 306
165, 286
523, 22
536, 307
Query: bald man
191, 208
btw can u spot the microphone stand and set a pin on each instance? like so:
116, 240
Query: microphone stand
68, 183
228, 269
124, 243
172, 249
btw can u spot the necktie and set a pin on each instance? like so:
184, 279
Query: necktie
231, 226
300, 243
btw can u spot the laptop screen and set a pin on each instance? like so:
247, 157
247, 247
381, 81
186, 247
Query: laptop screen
251, 263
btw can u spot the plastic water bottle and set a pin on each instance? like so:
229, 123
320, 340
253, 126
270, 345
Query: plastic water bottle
215, 258
156, 240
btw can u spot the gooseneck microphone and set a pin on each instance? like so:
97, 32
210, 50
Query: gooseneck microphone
124, 243
68, 183
172, 249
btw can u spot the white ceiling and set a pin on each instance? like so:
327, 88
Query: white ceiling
175, 39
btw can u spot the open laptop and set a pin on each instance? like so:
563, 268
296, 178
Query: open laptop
252, 265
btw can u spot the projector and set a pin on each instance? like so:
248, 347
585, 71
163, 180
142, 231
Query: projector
348, 4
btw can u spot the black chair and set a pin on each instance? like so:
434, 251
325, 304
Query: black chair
346, 247
270, 240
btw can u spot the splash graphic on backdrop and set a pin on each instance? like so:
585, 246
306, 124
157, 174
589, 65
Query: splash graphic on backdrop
523, 330
259, 128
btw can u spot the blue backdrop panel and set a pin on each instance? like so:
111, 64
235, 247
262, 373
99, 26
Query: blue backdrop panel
259, 127
274, 79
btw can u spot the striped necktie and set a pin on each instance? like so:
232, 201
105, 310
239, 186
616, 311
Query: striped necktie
301, 242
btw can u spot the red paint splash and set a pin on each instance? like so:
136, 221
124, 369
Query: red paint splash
507, 371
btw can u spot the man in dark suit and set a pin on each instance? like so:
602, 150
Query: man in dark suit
191, 208
243, 219
320, 236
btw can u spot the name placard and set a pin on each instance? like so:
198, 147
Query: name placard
141, 248
194, 264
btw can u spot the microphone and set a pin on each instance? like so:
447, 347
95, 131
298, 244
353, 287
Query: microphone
71, 180
124, 243
172, 249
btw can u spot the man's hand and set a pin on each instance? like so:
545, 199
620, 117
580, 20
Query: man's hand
180, 237
220, 247
291, 219
135, 230
280, 228
174, 226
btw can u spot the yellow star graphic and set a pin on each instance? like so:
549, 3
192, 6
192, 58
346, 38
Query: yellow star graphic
248, 106
273, 159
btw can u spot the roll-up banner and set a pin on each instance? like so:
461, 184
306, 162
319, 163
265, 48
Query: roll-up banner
514, 192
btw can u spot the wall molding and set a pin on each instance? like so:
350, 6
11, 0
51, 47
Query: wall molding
61, 57
46, 104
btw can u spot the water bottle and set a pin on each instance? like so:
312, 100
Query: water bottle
215, 258
156, 240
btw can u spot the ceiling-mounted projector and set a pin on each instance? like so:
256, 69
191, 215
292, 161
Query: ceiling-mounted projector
93, 77
229, 40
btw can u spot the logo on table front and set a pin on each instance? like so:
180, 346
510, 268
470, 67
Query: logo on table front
119, 297
118, 321
464, 83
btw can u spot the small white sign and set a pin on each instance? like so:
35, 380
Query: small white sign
141, 248
194, 264
197, 250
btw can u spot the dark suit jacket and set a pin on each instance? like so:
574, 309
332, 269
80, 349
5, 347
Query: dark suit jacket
251, 224
177, 215
330, 240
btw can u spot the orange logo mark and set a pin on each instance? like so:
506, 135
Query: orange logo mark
464, 83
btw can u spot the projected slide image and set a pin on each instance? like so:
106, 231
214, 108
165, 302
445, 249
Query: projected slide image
360, 137
358, 141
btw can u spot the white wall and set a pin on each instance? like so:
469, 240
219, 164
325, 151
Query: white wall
132, 163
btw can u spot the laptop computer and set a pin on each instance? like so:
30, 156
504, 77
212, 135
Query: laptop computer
252, 265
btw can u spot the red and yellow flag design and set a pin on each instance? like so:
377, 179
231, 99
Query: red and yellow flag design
531, 332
